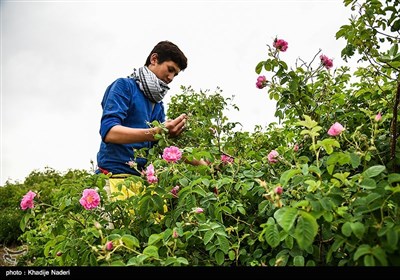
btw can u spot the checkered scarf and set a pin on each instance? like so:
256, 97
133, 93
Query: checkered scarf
152, 87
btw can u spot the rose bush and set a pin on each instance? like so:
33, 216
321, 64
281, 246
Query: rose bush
304, 192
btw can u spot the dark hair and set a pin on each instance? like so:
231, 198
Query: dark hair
167, 50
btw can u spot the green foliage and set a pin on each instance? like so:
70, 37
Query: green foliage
325, 201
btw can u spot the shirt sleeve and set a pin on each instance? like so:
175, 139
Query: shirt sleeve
115, 106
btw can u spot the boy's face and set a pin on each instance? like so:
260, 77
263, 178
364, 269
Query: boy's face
165, 71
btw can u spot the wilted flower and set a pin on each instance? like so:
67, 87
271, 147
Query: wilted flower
109, 245
280, 45
150, 174
326, 62
278, 190
272, 156
174, 191
378, 117
172, 154
97, 225
335, 129
261, 82
226, 159
131, 164
90, 199
213, 130
27, 200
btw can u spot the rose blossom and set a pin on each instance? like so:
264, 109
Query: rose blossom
27, 200
261, 82
172, 154
378, 117
226, 159
335, 129
280, 44
90, 199
272, 156
326, 62
175, 234
150, 174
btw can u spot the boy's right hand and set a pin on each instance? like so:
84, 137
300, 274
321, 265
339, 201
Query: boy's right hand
176, 126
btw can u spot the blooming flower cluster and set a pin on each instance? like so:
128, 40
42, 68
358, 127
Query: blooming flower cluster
261, 82
326, 62
280, 45
272, 156
150, 174
172, 154
90, 199
27, 200
336, 129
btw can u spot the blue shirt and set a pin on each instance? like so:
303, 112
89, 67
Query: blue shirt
125, 104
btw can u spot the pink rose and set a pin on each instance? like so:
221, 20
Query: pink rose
150, 174
335, 129
90, 199
27, 200
226, 159
280, 45
326, 62
172, 154
261, 82
272, 156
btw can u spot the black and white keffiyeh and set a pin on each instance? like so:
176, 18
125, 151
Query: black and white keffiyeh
152, 87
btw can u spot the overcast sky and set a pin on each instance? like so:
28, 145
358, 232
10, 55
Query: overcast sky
58, 57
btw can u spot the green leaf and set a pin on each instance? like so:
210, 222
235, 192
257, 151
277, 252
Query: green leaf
287, 175
374, 171
346, 229
298, 261
151, 251
130, 241
380, 254
208, 236
272, 235
306, 229
223, 243
368, 183
286, 217
358, 229
362, 250
219, 257
393, 178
